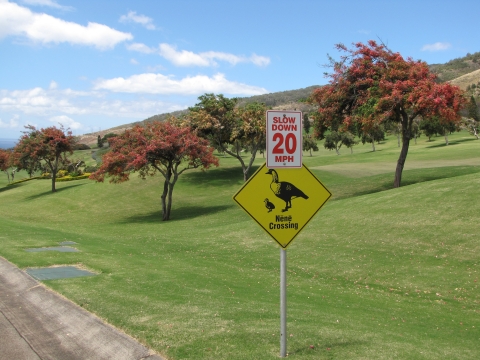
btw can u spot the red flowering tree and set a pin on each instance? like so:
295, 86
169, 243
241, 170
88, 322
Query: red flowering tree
5, 161
159, 146
371, 85
49, 145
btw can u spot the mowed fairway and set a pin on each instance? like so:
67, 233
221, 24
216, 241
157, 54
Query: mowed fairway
379, 273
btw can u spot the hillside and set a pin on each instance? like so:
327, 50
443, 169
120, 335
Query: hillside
464, 72
457, 67
284, 100
469, 82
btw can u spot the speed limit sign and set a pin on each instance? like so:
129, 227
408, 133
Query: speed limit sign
284, 139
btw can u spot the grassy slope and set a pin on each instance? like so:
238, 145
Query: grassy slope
378, 273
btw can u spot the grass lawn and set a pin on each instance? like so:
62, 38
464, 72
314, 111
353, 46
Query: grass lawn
379, 273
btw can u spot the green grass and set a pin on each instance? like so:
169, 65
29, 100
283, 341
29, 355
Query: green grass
379, 273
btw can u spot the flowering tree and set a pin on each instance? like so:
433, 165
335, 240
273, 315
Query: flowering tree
217, 119
159, 146
50, 145
5, 161
371, 84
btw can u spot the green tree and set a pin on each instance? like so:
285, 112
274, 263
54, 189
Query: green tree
309, 144
217, 119
349, 141
430, 127
472, 109
306, 123
471, 126
99, 141
375, 133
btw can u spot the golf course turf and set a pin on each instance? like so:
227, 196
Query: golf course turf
379, 273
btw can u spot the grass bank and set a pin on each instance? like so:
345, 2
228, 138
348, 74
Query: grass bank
379, 273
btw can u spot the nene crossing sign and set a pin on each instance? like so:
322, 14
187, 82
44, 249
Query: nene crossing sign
282, 201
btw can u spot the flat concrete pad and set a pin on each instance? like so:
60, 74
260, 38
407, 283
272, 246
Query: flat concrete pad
53, 248
37, 323
58, 272
63, 243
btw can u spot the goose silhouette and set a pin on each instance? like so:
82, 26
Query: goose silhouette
270, 206
284, 190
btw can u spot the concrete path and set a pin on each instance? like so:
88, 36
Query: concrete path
36, 323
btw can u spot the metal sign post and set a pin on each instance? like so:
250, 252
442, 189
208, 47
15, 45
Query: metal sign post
283, 195
283, 303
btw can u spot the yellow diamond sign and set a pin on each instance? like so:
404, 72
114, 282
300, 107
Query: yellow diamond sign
282, 201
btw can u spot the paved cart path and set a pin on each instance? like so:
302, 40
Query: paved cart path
37, 323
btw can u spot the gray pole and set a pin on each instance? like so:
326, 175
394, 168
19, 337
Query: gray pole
283, 303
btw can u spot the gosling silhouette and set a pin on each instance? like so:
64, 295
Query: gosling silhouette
284, 190
270, 206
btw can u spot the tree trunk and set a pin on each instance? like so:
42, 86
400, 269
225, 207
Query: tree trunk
446, 138
54, 174
169, 200
406, 122
165, 214
398, 139
310, 152
351, 150
373, 145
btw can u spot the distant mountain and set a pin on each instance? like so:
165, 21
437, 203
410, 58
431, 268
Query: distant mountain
469, 82
464, 72
457, 67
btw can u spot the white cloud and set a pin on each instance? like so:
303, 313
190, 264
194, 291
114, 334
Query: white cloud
53, 85
141, 48
67, 122
438, 46
12, 124
38, 101
139, 19
259, 60
185, 58
160, 84
49, 3
189, 58
133, 61
16, 20
42, 103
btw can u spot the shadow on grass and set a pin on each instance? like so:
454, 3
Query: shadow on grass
14, 186
378, 183
453, 142
182, 213
326, 346
218, 176
49, 192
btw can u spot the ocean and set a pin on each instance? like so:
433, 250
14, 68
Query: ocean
7, 143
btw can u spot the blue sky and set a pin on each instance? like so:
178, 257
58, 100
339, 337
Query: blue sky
92, 65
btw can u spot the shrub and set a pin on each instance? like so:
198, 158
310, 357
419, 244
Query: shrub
62, 173
81, 147
71, 178
90, 169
